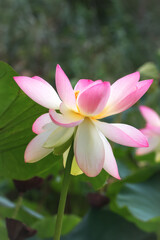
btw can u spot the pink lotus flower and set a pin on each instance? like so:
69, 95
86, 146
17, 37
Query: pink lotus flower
79, 113
151, 131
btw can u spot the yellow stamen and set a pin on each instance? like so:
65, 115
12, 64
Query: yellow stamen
76, 93
76, 96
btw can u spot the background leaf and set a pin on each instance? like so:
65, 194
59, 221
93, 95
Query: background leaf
18, 114
103, 224
138, 201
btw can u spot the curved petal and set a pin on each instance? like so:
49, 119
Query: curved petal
65, 89
128, 101
35, 150
50, 126
75, 170
71, 120
122, 134
122, 87
150, 115
41, 80
58, 137
89, 149
147, 132
39, 91
153, 144
110, 164
93, 99
153, 129
40, 122
82, 84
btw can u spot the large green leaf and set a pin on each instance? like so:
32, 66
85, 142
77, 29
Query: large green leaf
142, 199
8, 92
17, 114
138, 201
103, 224
141, 175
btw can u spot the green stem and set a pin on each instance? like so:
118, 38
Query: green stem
65, 185
18, 206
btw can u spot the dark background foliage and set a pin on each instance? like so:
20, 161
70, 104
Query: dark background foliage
95, 39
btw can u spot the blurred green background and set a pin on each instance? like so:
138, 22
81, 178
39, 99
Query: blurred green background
105, 40
89, 38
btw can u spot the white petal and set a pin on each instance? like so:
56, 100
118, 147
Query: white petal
89, 149
110, 164
40, 122
35, 150
50, 126
58, 137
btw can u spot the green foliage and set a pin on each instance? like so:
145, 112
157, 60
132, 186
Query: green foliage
104, 224
88, 39
3, 231
96, 182
25, 214
137, 198
149, 70
7, 89
46, 227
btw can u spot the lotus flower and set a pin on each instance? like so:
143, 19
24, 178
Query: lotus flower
151, 131
79, 112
